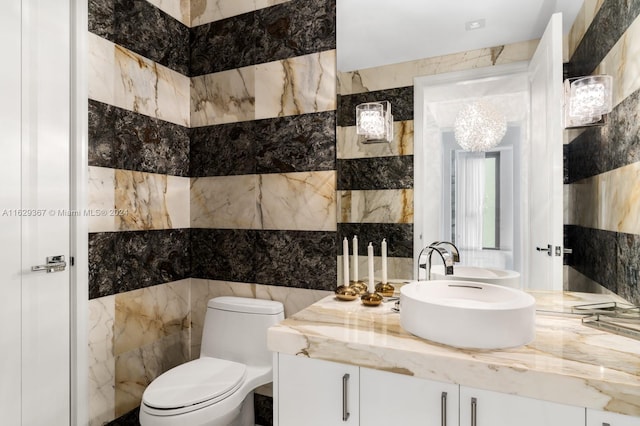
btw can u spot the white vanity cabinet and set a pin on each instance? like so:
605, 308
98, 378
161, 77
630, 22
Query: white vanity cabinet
605, 418
397, 399
486, 408
313, 392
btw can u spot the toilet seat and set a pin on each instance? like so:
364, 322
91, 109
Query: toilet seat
193, 385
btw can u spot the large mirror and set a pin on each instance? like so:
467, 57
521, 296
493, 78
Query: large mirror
369, 37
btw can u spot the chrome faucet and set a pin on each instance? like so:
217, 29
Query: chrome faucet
454, 250
448, 259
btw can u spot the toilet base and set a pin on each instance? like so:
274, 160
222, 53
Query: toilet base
241, 415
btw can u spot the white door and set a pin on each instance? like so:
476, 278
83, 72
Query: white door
34, 168
545, 172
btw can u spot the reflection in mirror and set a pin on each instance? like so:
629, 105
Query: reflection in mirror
475, 199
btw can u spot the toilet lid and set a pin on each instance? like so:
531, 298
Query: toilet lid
194, 382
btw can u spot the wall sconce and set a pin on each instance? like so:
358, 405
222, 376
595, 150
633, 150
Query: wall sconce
587, 99
374, 122
479, 126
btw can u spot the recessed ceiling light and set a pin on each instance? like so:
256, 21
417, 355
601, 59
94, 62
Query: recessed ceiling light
474, 25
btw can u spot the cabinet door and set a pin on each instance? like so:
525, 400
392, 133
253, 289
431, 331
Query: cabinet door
605, 418
486, 408
313, 392
396, 399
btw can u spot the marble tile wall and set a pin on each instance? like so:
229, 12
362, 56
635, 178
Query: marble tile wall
375, 181
212, 155
602, 162
263, 193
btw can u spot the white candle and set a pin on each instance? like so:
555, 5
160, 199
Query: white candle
383, 247
355, 258
372, 287
345, 261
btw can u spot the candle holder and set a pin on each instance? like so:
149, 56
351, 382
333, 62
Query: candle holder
371, 299
385, 289
346, 293
359, 286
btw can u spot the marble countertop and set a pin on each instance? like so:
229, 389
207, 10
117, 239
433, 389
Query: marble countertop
568, 362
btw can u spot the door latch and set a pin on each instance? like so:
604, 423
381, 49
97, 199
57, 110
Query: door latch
54, 264
548, 249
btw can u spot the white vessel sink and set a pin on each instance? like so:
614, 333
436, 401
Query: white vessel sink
467, 314
476, 273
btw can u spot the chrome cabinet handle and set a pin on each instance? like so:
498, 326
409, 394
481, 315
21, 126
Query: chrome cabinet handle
345, 401
443, 409
474, 412
54, 264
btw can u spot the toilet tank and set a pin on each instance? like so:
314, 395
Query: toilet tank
235, 328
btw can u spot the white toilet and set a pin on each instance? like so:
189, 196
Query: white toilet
217, 388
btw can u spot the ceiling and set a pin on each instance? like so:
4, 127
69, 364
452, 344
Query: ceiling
379, 32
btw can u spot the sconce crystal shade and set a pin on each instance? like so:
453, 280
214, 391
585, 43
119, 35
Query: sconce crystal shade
587, 99
479, 126
374, 122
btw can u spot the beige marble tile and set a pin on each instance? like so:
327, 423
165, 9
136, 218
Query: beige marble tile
293, 86
227, 202
376, 206
101, 69
148, 88
179, 9
223, 97
151, 201
143, 196
101, 375
298, 201
402, 74
101, 198
609, 201
137, 368
178, 201
147, 315
623, 63
205, 11
349, 145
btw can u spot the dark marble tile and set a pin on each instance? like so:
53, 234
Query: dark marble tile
594, 254
609, 24
601, 149
286, 144
399, 237
376, 173
101, 18
150, 145
103, 260
223, 150
101, 135
628, 263
143, 28
263, 409
223, 45
147, 258
295, 28
401, 104
302, 259
132, 418
223, 254
297, 143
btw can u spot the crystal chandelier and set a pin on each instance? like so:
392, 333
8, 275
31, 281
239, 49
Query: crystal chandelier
479, 127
